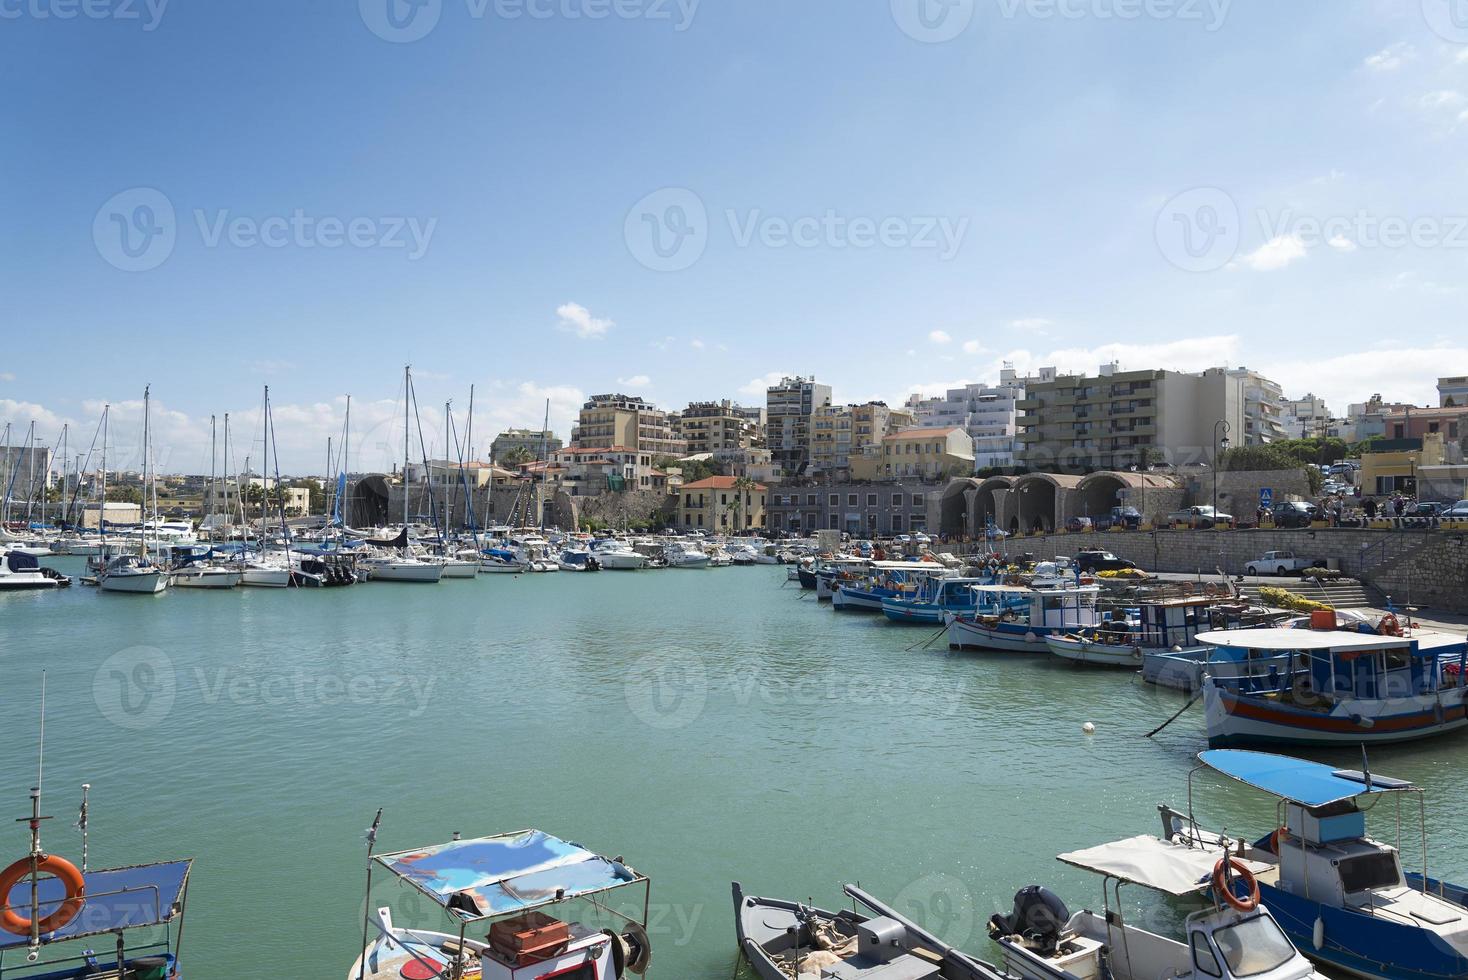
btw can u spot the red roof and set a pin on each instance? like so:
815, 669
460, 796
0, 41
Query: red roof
719, 483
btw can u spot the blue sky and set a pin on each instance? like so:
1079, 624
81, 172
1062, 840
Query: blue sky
895, 196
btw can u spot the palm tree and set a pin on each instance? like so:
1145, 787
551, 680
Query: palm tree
743, 486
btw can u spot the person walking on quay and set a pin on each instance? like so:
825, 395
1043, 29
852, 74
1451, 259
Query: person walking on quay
1369, 506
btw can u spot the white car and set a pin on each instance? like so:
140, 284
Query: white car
921, 538
1277, 563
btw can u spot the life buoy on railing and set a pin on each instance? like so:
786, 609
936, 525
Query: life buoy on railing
13, 922
1389, 626
1221, 884
1277, 838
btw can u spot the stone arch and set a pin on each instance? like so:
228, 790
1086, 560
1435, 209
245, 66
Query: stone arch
1098, 493
1043, 500
987, 499
955, 507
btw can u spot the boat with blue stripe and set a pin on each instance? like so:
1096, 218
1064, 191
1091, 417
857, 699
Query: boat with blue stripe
1340, 894
884, 580
1018, 618
939, 597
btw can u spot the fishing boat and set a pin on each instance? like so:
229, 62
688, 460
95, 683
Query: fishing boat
1337, 687
940, 596
782, 939
883, 580
831, 573
577, 560
1018, 618
617, 556
547, 905
20, 571
1339, 894
1163, 628
1235, 937
682, 554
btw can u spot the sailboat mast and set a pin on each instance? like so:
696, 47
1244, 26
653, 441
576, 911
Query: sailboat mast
143, 538
102, 513
545, 468
213, 460
407, 383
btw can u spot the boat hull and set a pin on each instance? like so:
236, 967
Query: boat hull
407, 572
212, 578
142, 583
1010, 637
615, 562
266, 578
460, 569
1238, 719
1094, 654
848, 599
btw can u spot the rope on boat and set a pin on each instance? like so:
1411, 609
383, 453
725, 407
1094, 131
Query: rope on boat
1191, 702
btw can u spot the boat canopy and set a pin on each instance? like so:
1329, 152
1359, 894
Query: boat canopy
507, 873
1176, 869
1282, 639
117, 898
1309, 784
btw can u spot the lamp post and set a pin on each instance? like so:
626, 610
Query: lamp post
1220, 446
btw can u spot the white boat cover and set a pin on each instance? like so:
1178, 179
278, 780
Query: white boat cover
1153, 863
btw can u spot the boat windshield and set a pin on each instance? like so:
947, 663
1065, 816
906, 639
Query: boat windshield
1254, 946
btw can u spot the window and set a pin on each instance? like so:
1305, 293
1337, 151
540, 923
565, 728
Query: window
835, 500
851, 500
896, 523
1254, 946
897, 500
917, 500
1367, 871
832, 523
871, 500
810, 500
1203, 957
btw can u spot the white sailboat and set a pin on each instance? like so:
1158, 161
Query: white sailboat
136, 573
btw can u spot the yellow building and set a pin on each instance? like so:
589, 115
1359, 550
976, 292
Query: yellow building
722, 505
621, 420
842, 433
928, 454
1394, 465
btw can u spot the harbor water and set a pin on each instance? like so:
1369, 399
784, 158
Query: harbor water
706, 725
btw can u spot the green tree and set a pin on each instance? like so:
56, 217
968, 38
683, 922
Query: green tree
517, 457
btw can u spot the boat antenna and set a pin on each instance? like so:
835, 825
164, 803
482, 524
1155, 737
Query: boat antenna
36, 855
367, 903
1365, 767
82, 823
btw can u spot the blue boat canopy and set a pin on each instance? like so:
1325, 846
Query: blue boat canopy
1310, 784
492, 876
116, 898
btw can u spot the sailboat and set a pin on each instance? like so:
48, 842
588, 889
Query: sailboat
405, 566
200, 571
136, 573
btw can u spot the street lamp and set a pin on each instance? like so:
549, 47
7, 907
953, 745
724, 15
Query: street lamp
1220, 446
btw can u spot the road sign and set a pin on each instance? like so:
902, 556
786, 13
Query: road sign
1266, 496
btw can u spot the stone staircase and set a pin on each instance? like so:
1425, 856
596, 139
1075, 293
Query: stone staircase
1342, 594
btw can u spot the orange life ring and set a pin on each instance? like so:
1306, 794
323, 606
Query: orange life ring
13, 922
1277, 838
1220, 886
1389, 626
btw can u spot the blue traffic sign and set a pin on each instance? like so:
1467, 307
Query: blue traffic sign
1266, 496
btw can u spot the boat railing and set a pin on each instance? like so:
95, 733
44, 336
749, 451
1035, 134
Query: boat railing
36, 968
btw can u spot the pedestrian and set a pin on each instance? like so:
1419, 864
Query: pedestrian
1399, 504
1369, 505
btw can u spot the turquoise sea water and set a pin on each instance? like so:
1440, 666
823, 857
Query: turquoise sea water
707, 725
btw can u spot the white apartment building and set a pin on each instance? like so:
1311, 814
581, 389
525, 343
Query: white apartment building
987, 413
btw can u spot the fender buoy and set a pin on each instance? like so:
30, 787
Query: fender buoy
1246, 904
1277, 838
60, 868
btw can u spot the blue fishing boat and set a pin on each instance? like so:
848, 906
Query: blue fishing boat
1341, 895
883, 580
927, 606
1018, 618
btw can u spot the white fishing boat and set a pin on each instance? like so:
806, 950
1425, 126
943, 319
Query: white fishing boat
509, 907
1018, 618
683, 554
577, 560
133, 573
1234, 938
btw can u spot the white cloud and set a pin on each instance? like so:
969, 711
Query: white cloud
1441, 99
6, 376
663, 344
1275, 254
1342, 243
1398, 373
1391, 57
577, 319
636, 381
1034, 324
939, 337
1189, 354
696, 344
759, 386
974, 347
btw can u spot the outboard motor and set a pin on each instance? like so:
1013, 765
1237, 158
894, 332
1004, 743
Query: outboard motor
1039, 918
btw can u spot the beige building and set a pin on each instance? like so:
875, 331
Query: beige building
722, 505
840, 432
789, 408
536, 442
709, 427
928, 454
628, 423
1120, 419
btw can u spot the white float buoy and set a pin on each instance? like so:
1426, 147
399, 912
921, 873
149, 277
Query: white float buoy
1089, 728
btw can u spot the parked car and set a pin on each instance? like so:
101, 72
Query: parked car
1101, 561
1277, 563
1457, 512
1199, 517
1294, 513
1425, 508
1128, 517
922, 538
1079, 524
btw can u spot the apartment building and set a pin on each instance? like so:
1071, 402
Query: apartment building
1452, 392
860, 509
628, 422
536, 442
721, 505
838, 433
709, 427
988, 413
1263, 409
921, 453
1119, 419
588, 472
789, 408
1305, 418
